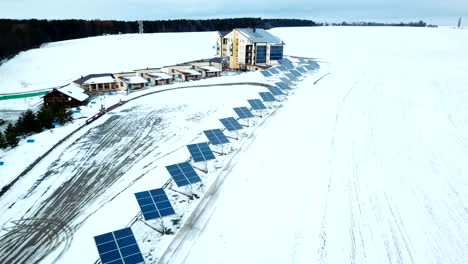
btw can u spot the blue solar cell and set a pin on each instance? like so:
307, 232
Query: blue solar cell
230, 124
267, 96
273, 70
296, 73
243, 112
201, 152
275, 91
183, 174
154, 204
256, 104
285, 80
118, 247
266, 73
291, 76
216, 136
301, 69
282, 85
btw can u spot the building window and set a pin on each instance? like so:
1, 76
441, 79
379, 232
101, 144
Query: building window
276, 52
224, 40
260, 54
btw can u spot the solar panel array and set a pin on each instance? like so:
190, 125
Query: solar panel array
266, 73
282, 85
243, 112
201, 152
216, 136
256, 104
183, 174
267, 96
118, 247
275, 91
291, 76
154, 204
230, 124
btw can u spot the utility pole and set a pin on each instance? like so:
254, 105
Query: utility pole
141, 30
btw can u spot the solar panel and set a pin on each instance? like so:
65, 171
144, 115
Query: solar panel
154, 204
285, 61
301, 70
291, 76
243, 112
266, 73
296, 73
282, 85
281, 68
273, 70
183, 174
285, 80
256, 104
216, 136
309, 67
201, 152
275, 91
231, 124
118, 247
267, 96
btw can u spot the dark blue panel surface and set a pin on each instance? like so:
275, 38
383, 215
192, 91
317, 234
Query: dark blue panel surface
282, 85
275, 91
201, 152
256, 104
152, 202
276, 52
274, 70
243, 112
267, 96
216, 136
266, 73
118, 247
230, 123
260, 54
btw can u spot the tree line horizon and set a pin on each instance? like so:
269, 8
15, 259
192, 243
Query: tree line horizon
19, 35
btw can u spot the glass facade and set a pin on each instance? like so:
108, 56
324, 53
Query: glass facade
261, 54
276, 52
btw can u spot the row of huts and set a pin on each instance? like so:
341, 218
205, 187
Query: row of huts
140, 78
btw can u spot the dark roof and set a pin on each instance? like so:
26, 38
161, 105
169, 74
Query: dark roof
83, 79
260, 35
223, 33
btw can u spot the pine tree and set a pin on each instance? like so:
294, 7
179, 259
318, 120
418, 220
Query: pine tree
11, 136
45, 117
3, 143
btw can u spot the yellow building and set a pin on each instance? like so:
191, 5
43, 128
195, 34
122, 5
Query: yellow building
250, 48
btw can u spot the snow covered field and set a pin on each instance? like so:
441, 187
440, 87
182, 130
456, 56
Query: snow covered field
59, 63
366, 166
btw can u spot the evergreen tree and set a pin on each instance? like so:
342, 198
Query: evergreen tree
11, 136
45, 117
3, 143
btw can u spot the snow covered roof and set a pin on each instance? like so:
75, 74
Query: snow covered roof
134, 80
210, 69
159, 75
74, 92
190, 72
99, 80
259, 35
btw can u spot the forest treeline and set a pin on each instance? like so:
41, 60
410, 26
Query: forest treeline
21, 35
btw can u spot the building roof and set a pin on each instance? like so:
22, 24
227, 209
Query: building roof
74, 92
99, 80
222, 33
189, 72
159, 75
83, 79
259, 35
210, 69
134, 80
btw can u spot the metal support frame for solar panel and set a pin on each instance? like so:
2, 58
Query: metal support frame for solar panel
119, 246
155, 204
217, 139
184, 176
231, 125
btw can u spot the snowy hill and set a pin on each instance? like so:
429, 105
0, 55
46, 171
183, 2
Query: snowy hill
61, 62
367, 165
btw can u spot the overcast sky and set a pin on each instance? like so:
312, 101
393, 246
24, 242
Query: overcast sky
324, 10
